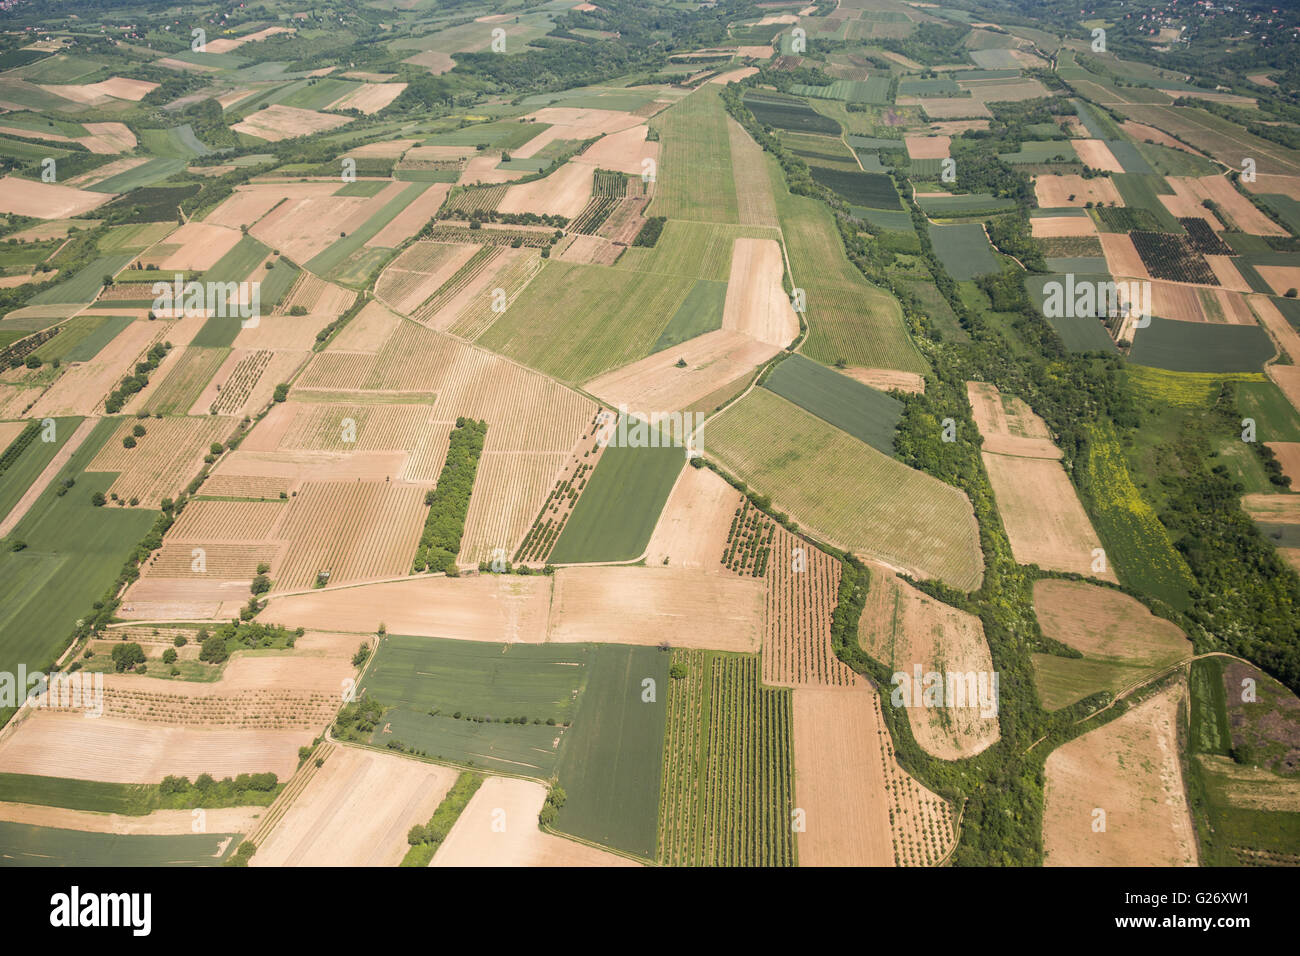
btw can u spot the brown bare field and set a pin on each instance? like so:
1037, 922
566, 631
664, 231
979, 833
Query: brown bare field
291, 333
692, 529
482, 169
655, 384
1281, 279
1233, 305
294, 227
98, 94
412, 430
1129, 769
483, 607
957, 127
942, 108
1284, 335
1122, 257
887, 379
651, 605
412, 218
368, 332
756, 303
904, 629
1273, 183
55, 744
370, 98
226, 44
1044, 520
1142, 134
164, 461
250, 203
436, 61
356, 811
1186, 204
1103, 623
9, 431
82, 388
1176, 300
574, 123
927, 147
1280, 509
1054, 191
509, 489
278, 122
47, 200
317, 296
158, 823
1227, 274
419, 272
467, 380
622, 152
1240, 210
200, 244
1287, 378
797, 649
1008, 425
563, 193
1288, 456
355, 530
734, 76
513, 804
1095, 153
1050, 227
245, 383
861, 808
204, 520
104, 172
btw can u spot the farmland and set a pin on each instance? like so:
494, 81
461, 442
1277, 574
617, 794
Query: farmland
864, 412
963, 250
930, 525
695, 176
727, 782
27, 845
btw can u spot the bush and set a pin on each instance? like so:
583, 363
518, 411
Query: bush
127, 656
128, 441
97, 499
169, 656
214, 650
138, 431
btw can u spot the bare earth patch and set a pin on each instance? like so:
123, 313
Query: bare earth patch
47, 200
927, 147
1055, 191
475, 841
692, 530
1051, 227
370, 98
887, 379
278, 122
756, 303
1008, 425
563, 193
1128, 769
1095, 153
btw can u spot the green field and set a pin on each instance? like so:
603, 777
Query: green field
504, 134
146, 174
18, 477
319, 93
860, 500
1175, 162
83, 286
702, 250
238, 264
179, 142
74, 552
617, 511
363, 187
1201, 347
1078, 333
82, 338
1275, 418
871, 190
1041, 151
789, 113
700, 312
866, 413
955, 207
426, 682
610, 767
694, 178
25, 845
963, 249
1143, 192
727, 791
576, 321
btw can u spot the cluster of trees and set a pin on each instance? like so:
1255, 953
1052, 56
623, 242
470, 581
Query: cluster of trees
449, 501
136, 381
358, 720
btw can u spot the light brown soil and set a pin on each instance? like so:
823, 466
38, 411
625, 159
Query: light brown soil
1227, 274
126, 751
1054, 191
107, 171
1103, 623
1044, 227
1287, 378
1280, 509
756, 303
411, 219
655, 385
902, 628
287, 332
1278, 327
158, 823
1232, 204
437, 61
294, 227
735, 76
927, 147
370, 98
1008, 425
164, 461
749, 166
278, 122
624, 151
1176, 300
47, 200
201, 245
887, 379
1044, 520
1272, 183
1186, 204
574, 123
368, 331
653, 605
485, 607
1095, 153
356, 811
861, 808
419, 272
1122, 257
509, 491
802, 586
1281, 279
1141, 133
95, 94
250, 203
1128, 768
692, 529
1288, 456
82, 388
563, 193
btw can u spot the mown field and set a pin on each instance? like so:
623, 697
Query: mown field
694, 178
866, 413
845, 491
963, 249
610, 767
618, 509
727, 789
